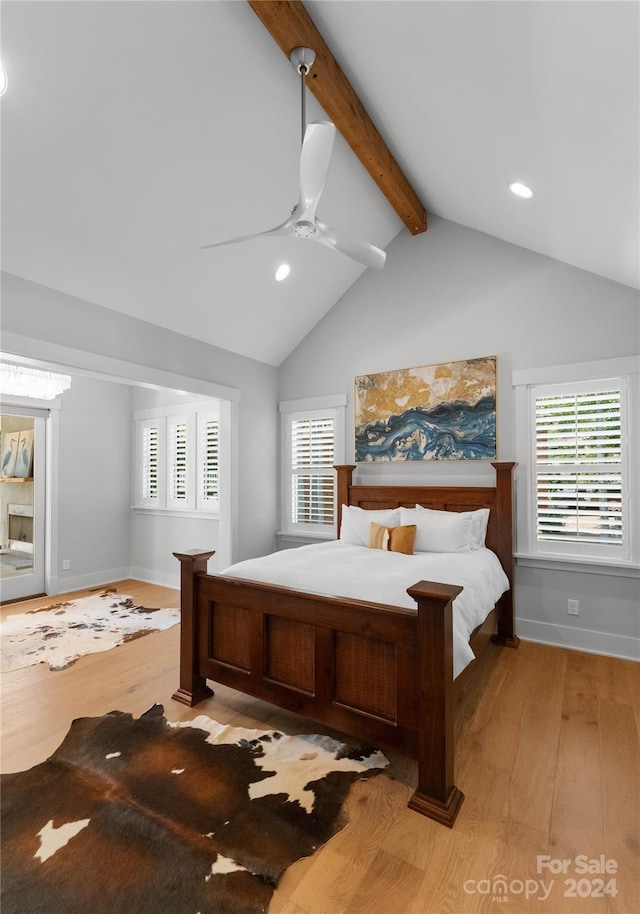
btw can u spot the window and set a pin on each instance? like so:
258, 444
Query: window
179, 447
208, 462
580, 460
312, 459
579, 463
178, 459
313, 436
149, 462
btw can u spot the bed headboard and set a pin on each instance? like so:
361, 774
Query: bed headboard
499, 499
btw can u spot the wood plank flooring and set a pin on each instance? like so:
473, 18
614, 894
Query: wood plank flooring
548, 750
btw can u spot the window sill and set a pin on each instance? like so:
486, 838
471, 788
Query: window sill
176, 512
578, 564
290, 540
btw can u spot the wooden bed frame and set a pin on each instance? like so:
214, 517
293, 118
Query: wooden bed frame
383, 674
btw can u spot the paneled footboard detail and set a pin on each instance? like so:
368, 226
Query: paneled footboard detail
383, 674
344, 664
289, 653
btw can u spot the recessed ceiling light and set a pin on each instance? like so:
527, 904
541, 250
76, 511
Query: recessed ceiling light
282, 272
521, 190
4, 82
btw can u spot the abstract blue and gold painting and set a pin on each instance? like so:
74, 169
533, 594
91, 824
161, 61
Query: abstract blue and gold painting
437, 412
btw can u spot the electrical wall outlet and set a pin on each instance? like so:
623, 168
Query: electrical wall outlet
573, 607
66, 564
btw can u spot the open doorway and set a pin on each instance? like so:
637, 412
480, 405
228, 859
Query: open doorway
93, 520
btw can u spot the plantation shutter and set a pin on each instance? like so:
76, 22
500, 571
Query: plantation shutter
177, 457
580, 465
312, 477
149, 462
178, 452
209, 475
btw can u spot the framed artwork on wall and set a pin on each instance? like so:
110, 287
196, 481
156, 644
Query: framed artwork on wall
436, 412
9, 452
24, 454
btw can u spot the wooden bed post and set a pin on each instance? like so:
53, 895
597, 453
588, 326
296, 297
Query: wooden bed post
193, 687
504, 549
437, 796
345, 476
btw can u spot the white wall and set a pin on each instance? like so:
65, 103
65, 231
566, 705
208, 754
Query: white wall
454, 293
94, 475
46, 317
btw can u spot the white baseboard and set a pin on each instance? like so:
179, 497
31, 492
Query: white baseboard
152, 576
579, 639
63, 582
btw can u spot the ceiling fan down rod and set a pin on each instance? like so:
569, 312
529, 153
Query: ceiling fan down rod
302, 60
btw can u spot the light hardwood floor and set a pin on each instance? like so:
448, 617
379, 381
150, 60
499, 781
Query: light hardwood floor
547, 756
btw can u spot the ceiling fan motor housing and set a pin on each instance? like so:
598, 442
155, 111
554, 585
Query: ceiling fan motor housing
303, 229
302, 59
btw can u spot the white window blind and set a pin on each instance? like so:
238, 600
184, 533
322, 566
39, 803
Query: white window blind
149, 462
177, 461
580, 461
312, 459
208, 462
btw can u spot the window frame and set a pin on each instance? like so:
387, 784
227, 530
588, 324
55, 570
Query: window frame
166, 420
294, 411
142, 500
204, 502
577, 378
185, 502
570, 547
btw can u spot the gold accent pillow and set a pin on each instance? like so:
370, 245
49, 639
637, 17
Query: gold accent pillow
393, 539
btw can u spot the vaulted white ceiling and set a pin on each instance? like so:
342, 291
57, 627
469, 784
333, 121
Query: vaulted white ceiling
133, 132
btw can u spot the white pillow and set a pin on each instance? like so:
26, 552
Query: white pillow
479, 523
356, 522
439, 531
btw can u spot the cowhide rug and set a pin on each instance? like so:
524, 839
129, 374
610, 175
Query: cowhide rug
139, 816
61, 633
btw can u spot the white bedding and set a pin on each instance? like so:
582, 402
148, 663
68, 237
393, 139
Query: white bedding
340, 569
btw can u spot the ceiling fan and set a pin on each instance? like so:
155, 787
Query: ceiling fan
315, 158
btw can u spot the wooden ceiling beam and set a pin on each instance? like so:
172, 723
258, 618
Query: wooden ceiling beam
291, 27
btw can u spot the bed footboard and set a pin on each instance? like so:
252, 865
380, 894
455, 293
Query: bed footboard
437, 796
193, 687
382, 674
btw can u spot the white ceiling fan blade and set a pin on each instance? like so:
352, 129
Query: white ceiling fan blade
315, 158
283, 229
362, 251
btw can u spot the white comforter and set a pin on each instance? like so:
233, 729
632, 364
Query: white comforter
339, 569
